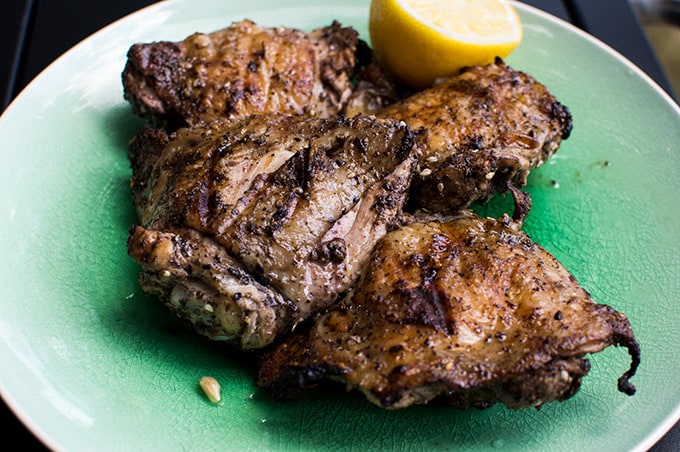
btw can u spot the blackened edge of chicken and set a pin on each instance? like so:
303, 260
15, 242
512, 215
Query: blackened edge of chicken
481, 130
469, 311
249, 226
247, 69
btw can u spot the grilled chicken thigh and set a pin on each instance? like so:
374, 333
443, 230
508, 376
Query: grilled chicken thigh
271, 214
195, 277
245, 69
482, 129
469, 310
249, 226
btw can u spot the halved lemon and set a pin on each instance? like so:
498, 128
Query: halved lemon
419, 41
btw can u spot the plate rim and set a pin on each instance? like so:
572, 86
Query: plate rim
24, 416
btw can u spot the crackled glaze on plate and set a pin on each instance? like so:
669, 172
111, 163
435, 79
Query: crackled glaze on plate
90, 363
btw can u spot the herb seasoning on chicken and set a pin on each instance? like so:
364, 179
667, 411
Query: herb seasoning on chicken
249, 226
273, 213
481, 129
247, 69
469, 310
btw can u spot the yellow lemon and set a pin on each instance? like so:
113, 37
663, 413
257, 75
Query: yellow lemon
419, 41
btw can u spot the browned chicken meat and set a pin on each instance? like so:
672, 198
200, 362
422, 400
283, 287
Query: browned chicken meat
246, 69
266, 195
249, 226
481, 129
468, 310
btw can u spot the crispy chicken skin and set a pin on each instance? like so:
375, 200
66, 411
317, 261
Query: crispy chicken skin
195, 277
271, 186
481, 129
245, 69
468, 310
249, 226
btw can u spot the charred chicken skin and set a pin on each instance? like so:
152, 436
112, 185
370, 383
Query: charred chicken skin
271, 214
482, 129
247, 69
249, 226
468, 310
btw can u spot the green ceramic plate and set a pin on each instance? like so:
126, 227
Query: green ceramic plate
90, 363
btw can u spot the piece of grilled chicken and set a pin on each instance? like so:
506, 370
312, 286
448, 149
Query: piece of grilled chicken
247, 69
249, 226
469, 310
482, 129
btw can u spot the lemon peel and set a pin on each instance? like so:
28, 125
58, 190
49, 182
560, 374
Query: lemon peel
419, 41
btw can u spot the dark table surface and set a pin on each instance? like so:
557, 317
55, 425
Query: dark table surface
33, 33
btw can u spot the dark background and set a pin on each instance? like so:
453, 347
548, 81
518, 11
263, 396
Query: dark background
43, 29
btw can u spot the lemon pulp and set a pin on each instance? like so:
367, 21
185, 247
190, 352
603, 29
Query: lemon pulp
419, 41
